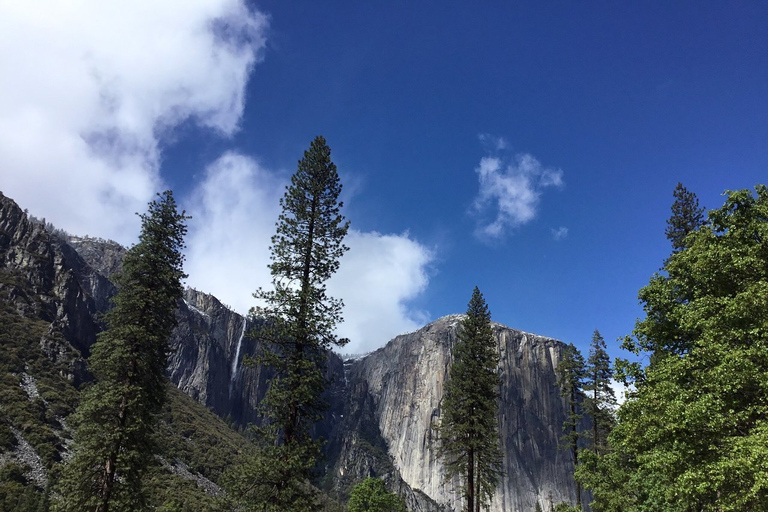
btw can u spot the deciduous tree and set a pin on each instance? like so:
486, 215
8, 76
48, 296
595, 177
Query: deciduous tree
693, 435
371, 495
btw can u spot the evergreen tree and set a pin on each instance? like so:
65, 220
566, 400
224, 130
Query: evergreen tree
371, 495
570, 378
600, 400
298, 330
468, 431
686, 216
116, 416
693, 435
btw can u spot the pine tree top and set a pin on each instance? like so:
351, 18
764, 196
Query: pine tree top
687, 216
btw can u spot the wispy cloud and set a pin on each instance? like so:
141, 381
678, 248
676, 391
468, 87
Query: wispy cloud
493, 143
510, 192
560, 233
92, 89
234, 210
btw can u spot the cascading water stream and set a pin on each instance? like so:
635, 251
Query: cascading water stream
237, 358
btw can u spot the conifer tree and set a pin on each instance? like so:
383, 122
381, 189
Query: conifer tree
468, 431
298, 330
686, 216
600, 400
116, 416
570, 377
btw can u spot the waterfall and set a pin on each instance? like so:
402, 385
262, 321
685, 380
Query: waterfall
237, 357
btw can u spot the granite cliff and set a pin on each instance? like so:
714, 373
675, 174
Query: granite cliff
382, 406
401, 385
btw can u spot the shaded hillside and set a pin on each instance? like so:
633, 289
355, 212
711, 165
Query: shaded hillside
48, 320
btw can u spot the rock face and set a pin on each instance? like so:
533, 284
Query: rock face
381, 406
402, 386
66, 292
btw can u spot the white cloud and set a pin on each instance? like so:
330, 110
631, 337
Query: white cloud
91, 89
510, 192
377, 278
560, 233
620, 391
234, 211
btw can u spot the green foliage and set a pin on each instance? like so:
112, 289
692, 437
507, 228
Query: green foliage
371, 495
274, 477
600, 399
189, 432
469, 434
299, 327
693, 435
686, 217
566, 507
17, 494
571, 371
117, 414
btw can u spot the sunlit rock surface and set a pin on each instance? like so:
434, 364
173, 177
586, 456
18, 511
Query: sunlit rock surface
404, 383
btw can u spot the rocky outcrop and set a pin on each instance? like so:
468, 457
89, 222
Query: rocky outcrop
401, 384
46, 279
103, 256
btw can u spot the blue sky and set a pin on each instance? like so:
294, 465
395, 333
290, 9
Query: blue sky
528, 148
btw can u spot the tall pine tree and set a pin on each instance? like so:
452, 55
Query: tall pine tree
468, 430
570, 378
299, 325
687, 216
117, 414
600, 400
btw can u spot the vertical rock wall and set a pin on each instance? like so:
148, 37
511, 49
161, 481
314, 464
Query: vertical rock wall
406, 378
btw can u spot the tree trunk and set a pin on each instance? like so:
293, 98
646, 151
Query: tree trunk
110, 466
477, 488
471, 480
595, 414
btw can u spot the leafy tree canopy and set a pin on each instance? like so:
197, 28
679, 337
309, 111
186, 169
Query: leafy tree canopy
694, 434
371, 495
